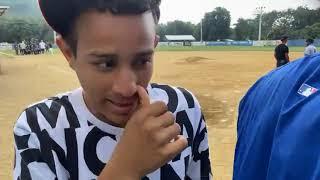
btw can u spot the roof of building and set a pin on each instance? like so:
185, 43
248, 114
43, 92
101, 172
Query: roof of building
4, 7
180, 38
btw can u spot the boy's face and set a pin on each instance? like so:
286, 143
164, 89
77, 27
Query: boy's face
114, 55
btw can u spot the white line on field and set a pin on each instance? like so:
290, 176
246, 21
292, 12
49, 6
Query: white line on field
5, 54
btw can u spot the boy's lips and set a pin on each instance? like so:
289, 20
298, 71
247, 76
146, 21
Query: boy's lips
122, 107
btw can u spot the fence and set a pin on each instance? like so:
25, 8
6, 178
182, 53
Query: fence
5, 46
230, 43
295, 42
301, 42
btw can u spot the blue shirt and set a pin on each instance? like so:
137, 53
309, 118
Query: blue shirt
279, 125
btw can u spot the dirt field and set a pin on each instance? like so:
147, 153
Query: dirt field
218, 79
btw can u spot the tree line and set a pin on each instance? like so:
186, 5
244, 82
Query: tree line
17, 29
299, 23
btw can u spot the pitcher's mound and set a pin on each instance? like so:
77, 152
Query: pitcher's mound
193, 60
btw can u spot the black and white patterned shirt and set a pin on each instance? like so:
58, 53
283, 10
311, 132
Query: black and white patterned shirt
59, 138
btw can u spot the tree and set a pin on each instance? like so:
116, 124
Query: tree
267, 21
18, 29
311, 31
245, 29
295, 22
283, 25
197, 32
307, 32
177, 28
161, 31
180, 28
291, 22
216, 24
304, 16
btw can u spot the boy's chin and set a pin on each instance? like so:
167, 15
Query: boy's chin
121, 120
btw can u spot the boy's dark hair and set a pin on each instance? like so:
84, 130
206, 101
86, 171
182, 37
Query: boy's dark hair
61, 15
284, 38
310, 41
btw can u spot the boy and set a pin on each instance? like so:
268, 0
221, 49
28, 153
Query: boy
117, 125
310, 48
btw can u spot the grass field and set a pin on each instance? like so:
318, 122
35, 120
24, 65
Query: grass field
7, 53
218, 78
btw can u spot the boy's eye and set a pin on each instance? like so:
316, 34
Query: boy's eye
142, 61
106, 65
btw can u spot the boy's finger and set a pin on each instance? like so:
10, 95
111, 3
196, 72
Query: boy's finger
143, 96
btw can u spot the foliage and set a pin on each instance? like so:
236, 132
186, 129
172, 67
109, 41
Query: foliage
18, 29
216, 25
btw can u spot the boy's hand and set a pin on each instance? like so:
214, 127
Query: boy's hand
147, 144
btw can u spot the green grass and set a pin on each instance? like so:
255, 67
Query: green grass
10, 52
7, 53
224, 48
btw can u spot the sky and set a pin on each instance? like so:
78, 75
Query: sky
194, 10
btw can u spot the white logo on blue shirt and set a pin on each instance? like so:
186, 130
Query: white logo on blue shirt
306, 90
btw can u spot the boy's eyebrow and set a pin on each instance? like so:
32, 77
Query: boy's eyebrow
100, 54
145, 53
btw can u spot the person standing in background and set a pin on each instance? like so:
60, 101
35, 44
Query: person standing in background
42, 46
281, 52
16, 47
310, 48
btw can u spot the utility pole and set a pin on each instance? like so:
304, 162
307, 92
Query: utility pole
201, 32
260, 12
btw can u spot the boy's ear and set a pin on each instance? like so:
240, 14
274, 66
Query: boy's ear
156, 40
66, 51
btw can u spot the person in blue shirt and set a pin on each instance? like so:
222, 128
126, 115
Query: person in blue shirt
279, 125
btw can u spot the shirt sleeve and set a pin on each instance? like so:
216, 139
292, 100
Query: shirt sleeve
199, 167
314, 50
28, 162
